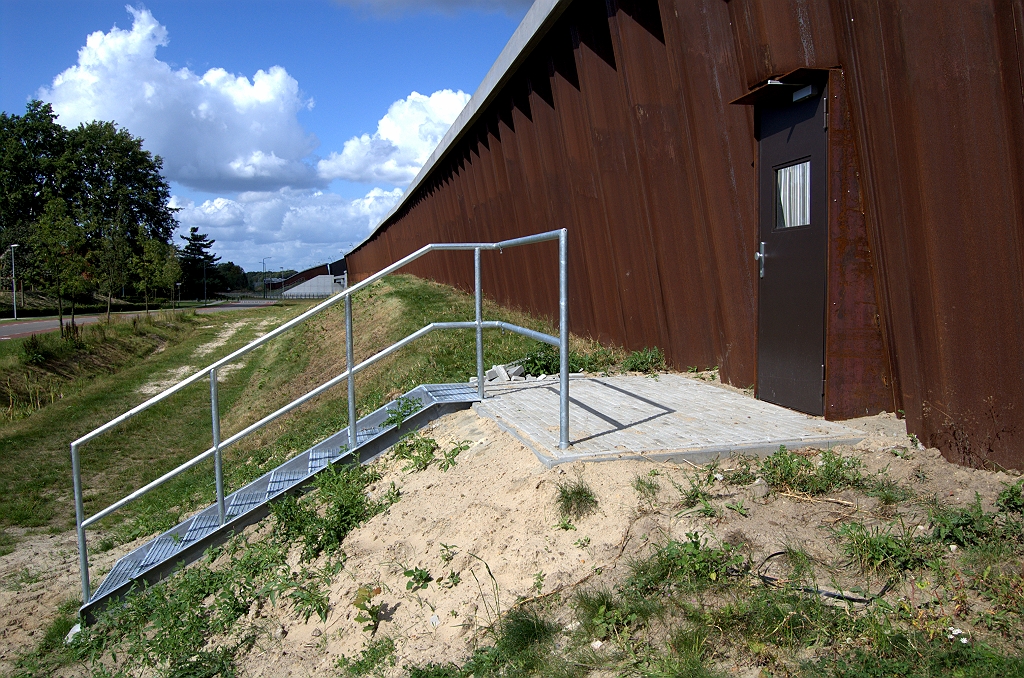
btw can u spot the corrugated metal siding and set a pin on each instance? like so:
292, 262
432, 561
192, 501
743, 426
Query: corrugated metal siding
618, 127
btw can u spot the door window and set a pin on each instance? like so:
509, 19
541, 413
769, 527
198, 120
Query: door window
793, 195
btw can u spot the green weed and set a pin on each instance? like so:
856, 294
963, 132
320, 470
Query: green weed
575, 499
789, 471
889, 492
374, 659
418, 450
370, 614
883, 550
403, 408
1011, 498
647, 360
647, 488
418, 578
690, 565
449, 457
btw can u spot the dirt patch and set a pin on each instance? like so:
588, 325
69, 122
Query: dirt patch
222, 338
171, 378
40, 575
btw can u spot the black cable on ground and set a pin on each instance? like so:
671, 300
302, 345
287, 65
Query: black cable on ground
775, 581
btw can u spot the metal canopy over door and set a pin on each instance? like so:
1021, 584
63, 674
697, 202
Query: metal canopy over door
793, 249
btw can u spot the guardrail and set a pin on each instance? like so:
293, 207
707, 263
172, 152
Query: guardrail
479, 324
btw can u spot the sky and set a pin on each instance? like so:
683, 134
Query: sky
287, 129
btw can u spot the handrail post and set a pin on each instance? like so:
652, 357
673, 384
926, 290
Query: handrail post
218, 466
83, 553
563, 336
349, 360
479, 327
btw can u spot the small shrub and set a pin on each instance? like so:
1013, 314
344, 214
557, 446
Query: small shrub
575, 499
647, 360
33, 352
370, 614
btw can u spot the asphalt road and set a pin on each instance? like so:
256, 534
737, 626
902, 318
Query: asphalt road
24, 328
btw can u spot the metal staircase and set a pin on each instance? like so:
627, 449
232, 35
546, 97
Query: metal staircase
372, 435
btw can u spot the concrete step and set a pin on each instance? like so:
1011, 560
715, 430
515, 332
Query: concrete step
187, 541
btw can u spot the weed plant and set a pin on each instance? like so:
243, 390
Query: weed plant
321, 521
690, 565
575, 499
546, 359
973, 526
1011, 499
374, 660
884, 550
647, 489
785, 470
648, 360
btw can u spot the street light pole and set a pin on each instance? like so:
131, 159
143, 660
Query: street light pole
14, 287
265, 276
204, 283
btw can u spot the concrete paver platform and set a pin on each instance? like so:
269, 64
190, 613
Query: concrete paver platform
663, 418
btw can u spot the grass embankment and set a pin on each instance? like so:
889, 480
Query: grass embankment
119, 366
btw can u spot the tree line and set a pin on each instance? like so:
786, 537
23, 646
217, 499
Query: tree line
89, 211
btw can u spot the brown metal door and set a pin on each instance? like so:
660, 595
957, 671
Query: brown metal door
792, 257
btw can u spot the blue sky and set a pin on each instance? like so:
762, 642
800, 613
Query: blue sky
287, 128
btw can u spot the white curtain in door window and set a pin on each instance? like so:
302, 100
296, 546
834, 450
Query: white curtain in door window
793, 185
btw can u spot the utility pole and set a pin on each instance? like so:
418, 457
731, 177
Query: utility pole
265, 276
14, 287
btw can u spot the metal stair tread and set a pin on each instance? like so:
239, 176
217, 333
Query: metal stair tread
262, 490
281, 480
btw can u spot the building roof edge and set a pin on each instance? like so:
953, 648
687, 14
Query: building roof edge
534, 26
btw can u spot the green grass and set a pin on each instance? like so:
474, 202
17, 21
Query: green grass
786, 470
575, 499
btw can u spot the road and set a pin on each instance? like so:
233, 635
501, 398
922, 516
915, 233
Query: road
24, 328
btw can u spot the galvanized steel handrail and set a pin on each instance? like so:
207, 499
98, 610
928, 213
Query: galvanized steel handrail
562, 342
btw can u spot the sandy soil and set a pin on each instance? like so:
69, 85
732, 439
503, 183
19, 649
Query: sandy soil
496, 508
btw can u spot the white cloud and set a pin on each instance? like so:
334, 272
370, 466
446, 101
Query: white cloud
405, 138
511, 7
216, 131
299, 228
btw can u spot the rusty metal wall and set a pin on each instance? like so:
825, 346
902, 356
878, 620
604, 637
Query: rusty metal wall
618, 126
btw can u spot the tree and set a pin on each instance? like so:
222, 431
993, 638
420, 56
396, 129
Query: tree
96, 178
59, 246
197, 261
171, 273
32, 148
231, 277
151, 268
122, 199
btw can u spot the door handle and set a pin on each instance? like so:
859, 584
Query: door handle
759, 258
